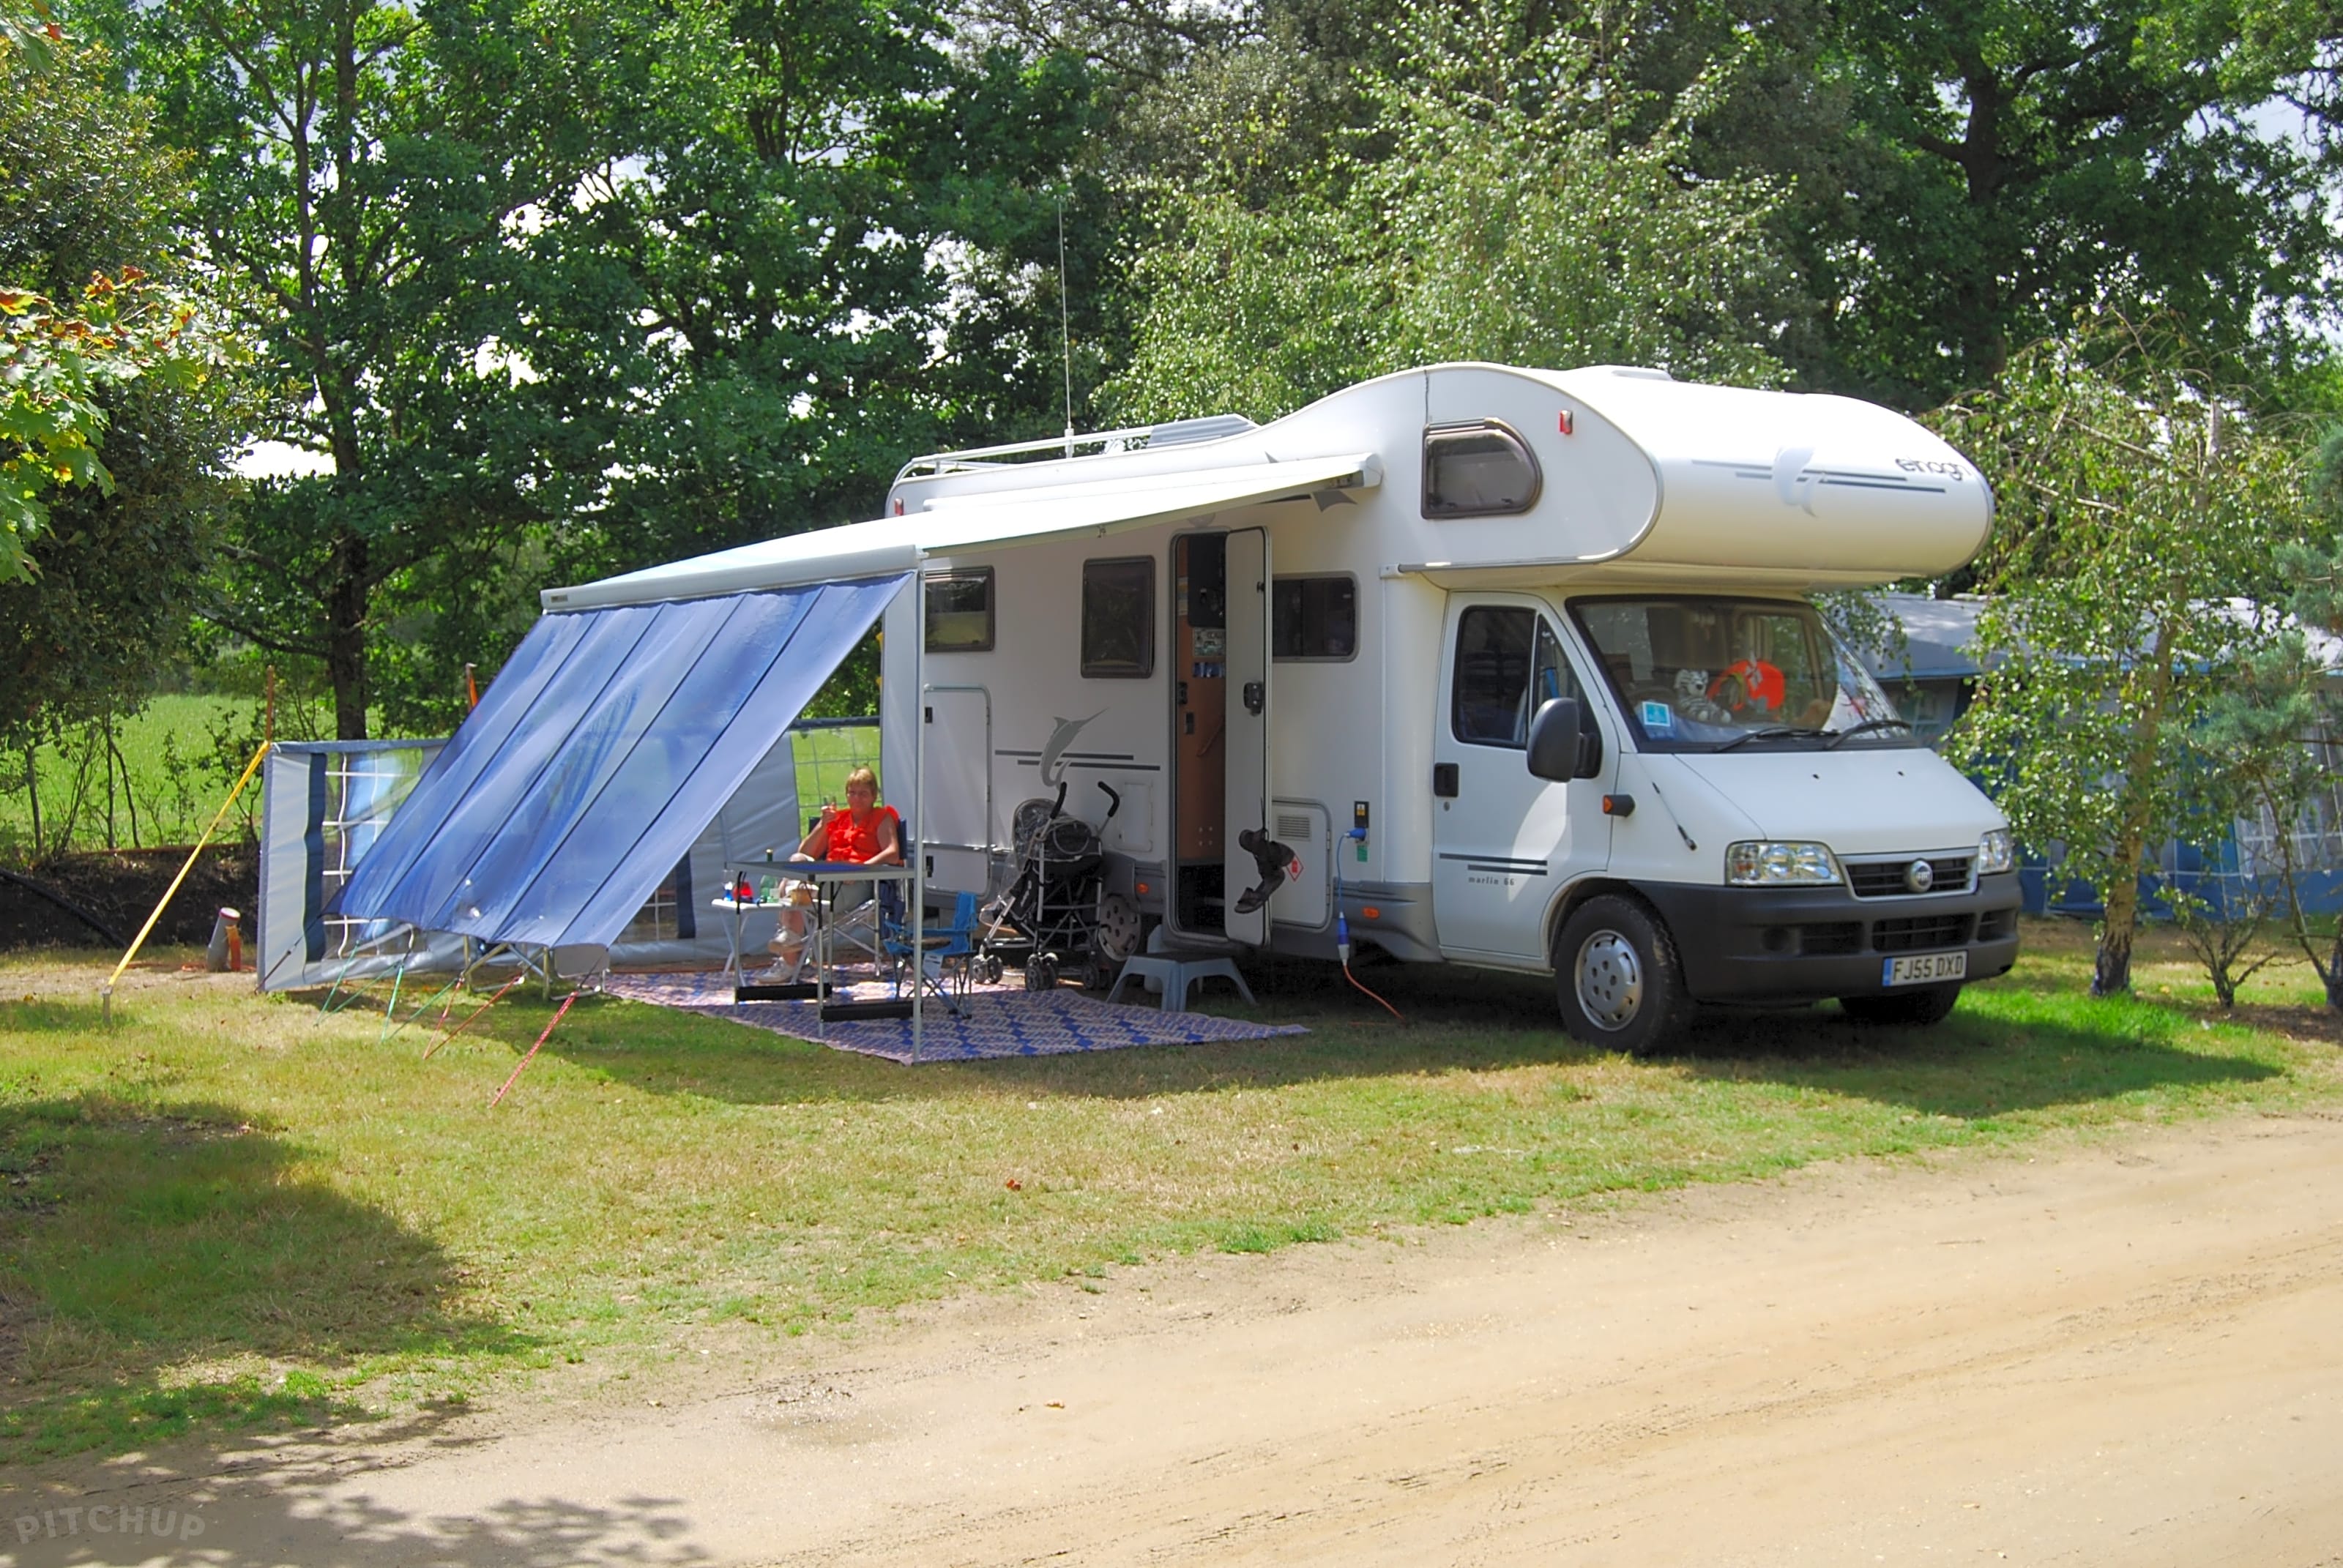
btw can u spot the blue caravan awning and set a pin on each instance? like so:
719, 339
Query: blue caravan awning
610, 738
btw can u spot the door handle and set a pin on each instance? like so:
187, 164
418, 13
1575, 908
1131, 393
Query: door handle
1256, 697
1444, 781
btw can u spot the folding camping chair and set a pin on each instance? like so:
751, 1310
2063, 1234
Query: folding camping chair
946, 964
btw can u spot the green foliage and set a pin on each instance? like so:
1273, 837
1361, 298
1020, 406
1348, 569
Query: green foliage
116, 409
54, 366
2002, 163
551, 290
365, 174
1515, 199
2136, 500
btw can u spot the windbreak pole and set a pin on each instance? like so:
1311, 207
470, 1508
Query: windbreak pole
105, 992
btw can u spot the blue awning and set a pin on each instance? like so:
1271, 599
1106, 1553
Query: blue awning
610, 738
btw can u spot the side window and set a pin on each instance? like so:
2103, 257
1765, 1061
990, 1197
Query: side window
1477, 470
960, 611
1313, 618
1119, 618
1508, 663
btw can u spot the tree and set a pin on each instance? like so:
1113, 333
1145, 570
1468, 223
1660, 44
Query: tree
120, 403
2005, 163
2299, 708
363, 174
555, 290
2263, 730
1516, 197
2137, 501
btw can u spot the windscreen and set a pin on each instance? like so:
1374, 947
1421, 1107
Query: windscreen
1708, 674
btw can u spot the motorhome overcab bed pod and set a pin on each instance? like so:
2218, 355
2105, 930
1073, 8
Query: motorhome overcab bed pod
1517, 663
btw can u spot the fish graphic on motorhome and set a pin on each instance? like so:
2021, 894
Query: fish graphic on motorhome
1053, 755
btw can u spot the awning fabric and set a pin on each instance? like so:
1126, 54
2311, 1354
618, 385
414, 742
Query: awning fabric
978, 521
610, 738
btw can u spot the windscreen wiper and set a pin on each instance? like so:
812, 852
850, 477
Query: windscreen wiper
1869, 724
1773, 732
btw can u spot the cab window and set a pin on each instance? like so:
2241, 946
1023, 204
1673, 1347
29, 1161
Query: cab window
1509, 662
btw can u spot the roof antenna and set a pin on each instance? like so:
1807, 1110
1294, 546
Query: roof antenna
1065, 327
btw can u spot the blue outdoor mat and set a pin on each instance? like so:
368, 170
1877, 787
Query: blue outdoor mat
996, 1021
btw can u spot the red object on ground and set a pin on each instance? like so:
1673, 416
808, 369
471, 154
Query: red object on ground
533, 1050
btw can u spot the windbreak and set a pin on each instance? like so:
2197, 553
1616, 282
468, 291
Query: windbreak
609, 740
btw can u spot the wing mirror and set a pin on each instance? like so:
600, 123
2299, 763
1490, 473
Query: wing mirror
1564, 743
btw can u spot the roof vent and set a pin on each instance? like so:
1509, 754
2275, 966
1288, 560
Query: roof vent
1186, 432
1634, 372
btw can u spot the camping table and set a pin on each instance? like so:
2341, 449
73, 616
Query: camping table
826, 875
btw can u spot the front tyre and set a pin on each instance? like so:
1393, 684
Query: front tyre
1617, 978
1914, 1009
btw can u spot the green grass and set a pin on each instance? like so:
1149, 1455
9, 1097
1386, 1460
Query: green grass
824, 758
174, 783
234, 1212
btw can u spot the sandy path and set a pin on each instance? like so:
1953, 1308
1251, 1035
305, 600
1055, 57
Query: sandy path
2123, 1353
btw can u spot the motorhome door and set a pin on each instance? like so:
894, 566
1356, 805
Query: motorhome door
1247, 566
1503, 841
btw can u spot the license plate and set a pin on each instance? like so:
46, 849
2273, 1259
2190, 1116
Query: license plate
1926, 968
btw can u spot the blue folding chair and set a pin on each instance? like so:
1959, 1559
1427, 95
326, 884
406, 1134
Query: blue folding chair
947, 966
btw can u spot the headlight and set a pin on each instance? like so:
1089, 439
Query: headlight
1772, 865
1995, 853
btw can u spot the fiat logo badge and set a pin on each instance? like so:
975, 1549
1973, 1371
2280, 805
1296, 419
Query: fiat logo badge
1919, 876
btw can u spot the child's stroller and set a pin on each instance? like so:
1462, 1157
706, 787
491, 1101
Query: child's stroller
1051, 905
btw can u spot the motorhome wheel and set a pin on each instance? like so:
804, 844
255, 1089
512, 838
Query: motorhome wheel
1616, 976
1118, 927
1914, 1009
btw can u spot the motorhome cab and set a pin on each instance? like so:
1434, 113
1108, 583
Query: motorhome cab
1507, 668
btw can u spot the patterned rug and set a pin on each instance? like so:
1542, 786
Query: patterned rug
996, 1020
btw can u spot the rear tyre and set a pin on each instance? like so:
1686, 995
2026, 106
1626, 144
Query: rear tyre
1914, 1009
1617, 978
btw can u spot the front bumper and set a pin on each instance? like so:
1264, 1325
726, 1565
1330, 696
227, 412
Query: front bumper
1803, 944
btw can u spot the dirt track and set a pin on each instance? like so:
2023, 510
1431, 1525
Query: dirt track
2126, 1352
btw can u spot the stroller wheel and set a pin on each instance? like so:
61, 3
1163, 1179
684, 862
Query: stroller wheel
992, 969
1042, 972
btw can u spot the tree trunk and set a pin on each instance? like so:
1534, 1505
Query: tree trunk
129, 796
2111, 973
33, 795
2331, 976
346, 637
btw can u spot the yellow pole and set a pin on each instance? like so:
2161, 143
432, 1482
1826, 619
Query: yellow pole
105, 992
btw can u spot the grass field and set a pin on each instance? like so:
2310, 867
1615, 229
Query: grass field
173, 785
235, 1211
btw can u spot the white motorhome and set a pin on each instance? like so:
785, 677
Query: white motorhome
1517, 664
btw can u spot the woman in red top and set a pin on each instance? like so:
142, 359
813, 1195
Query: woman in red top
863, 833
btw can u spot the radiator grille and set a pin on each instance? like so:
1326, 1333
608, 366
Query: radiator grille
1884, 879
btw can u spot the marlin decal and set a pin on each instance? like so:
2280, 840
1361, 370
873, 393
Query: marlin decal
1053, 768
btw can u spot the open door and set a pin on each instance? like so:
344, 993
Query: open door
1248, 730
